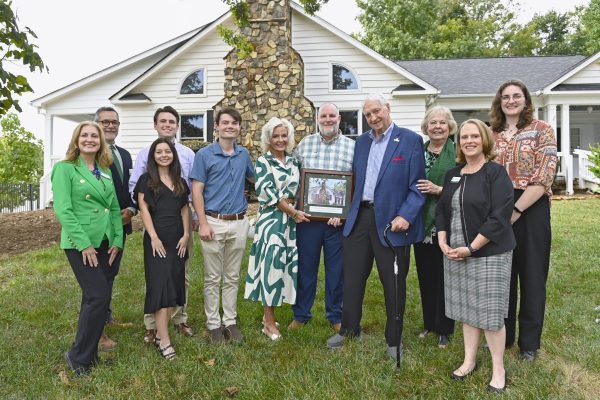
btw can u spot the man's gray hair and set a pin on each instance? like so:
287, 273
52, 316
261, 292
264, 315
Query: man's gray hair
104, 109
337, 110
267, 133
378, 97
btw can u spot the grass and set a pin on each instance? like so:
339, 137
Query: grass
39, 303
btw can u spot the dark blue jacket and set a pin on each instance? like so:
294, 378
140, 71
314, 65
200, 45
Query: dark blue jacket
396, 190
122, 186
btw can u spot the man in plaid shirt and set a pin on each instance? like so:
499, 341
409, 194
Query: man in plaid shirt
327, 150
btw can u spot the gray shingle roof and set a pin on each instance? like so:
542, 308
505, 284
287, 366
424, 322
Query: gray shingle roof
484, 75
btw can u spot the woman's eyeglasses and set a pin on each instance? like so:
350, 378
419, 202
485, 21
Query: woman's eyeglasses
515, 97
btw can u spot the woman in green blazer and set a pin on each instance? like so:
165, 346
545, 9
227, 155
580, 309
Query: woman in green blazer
88, 210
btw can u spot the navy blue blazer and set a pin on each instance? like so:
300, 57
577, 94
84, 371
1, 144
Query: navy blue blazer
396, 190
122, 186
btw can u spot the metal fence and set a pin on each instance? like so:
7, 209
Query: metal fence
16, 197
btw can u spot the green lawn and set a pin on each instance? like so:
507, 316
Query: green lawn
39, 302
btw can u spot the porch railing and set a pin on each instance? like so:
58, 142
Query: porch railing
585, 175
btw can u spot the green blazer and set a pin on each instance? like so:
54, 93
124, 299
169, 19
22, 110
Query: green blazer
87, 208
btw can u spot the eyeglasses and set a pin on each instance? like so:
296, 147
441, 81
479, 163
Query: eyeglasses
515, 97
106, 123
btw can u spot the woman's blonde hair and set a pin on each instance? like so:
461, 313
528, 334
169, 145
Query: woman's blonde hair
431, 111
103, 156
267, 134
487, 141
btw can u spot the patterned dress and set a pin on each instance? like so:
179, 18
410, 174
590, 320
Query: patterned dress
273, 264
476, 288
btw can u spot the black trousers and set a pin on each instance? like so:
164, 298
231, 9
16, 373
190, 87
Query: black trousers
114, 270
430, 270
361, 247
95, 297
530, 265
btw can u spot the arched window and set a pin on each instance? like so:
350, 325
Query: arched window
342, 78
193, 83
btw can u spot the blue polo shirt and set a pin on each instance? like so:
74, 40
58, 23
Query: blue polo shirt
223, 176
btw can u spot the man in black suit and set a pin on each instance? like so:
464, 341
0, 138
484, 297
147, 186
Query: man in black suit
108, 118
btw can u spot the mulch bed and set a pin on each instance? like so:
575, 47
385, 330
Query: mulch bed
31, 230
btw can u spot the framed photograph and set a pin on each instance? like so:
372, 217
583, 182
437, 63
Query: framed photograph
325, 194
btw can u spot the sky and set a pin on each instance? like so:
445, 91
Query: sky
77, 38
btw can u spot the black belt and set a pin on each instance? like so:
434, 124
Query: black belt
226, 217
367, 204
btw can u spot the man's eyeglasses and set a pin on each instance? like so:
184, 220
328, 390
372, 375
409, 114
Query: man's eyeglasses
516, 97
107, 123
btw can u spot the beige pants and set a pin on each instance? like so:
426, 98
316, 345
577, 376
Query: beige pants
179, 313
222, 260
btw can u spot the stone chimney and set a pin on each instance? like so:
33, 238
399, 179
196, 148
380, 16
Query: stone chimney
270, 82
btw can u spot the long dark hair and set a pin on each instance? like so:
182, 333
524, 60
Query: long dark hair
174, 169
498, 120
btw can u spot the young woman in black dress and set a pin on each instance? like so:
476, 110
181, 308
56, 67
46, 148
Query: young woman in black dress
163, 200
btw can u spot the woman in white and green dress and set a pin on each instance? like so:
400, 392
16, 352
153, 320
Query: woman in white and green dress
273, 264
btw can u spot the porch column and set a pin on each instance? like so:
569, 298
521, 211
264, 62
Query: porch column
45, 186
551, 115
565, 148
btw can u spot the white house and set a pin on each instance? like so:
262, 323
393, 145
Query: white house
187, 73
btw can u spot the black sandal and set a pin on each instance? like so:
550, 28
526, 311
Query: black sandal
157, 342
167, 356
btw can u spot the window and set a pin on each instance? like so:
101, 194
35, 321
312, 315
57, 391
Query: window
194, 83
192, 127
349, 124
342, 78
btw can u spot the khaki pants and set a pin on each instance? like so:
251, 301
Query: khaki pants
179, 313
222, 260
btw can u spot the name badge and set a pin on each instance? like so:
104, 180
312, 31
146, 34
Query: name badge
455, 179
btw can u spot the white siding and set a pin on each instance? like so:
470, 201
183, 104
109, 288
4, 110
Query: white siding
163, 89
87, 99
590, 74
319, 48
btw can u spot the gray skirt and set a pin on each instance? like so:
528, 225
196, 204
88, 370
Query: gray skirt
476, 288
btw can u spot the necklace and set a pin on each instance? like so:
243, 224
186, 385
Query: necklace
435, 151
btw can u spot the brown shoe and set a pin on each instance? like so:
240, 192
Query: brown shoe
337, 327
149, 336
233, 334
184, 329
216, 335
295, 324
106, 343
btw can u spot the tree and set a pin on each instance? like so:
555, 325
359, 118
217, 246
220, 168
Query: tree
586, 39
21, 154
15, 47
435, 28
241, 17
474, 28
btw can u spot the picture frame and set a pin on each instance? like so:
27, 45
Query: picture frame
325, 194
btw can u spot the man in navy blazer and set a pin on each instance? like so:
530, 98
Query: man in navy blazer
388, 162
108, 118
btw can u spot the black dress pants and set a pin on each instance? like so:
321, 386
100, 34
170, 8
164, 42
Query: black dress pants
95, 297
530, 265
430, 270
361, 247
114, 270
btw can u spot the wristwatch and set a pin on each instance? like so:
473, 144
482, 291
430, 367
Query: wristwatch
471, 249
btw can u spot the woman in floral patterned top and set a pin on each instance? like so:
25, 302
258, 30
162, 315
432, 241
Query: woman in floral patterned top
527, 149
273, 264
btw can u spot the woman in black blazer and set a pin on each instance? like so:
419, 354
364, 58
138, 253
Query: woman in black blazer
475, 235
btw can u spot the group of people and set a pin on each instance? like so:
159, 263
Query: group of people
475, 209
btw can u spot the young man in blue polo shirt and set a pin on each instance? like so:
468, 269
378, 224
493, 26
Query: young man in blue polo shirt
218, 178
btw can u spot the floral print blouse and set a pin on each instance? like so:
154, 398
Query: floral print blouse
529, 156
